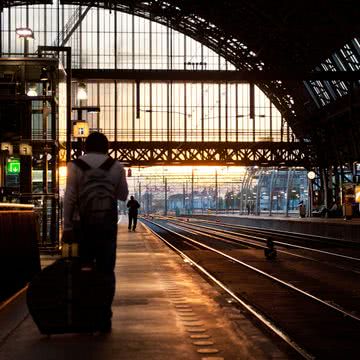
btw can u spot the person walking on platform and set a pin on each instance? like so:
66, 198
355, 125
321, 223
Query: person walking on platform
95, 182
133, 206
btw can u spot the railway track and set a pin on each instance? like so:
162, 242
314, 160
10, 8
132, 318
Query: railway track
307, 296
300, 238
347, 255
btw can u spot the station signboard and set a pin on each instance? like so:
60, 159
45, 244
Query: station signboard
81, 129
25, 149
7, 147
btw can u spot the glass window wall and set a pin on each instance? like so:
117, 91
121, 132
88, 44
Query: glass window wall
184, 112
106, 39
168, 111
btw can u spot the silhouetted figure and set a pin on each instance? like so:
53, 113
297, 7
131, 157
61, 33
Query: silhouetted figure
252, 208
94, 184
334, 211
302, 209
133, 206
270, 252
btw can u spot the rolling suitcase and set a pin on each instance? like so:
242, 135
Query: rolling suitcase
69, 297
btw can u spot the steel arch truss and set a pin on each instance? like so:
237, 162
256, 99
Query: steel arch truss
8, 3
210, 153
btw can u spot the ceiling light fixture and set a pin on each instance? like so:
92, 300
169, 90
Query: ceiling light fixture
25, 32
32, 91
82, 93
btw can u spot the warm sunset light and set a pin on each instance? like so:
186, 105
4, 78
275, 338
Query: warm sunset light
62, 171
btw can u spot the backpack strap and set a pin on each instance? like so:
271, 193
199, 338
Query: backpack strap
82, 164
107, 164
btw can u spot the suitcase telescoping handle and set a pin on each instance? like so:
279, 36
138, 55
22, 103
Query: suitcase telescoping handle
70, 250
70, 247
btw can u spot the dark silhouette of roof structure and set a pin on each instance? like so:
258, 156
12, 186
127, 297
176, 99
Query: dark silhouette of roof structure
286, 39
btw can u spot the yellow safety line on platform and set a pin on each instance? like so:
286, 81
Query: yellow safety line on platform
17, 206
13, 298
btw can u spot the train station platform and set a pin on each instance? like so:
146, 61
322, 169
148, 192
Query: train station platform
337, 228
163, 309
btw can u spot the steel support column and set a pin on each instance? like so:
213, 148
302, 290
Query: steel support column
271, 186
1, 26
192, 191
184, 202
67, 50
252, 108
258, 193
216, 192
311, 197
166, 200
137, 89
288, 184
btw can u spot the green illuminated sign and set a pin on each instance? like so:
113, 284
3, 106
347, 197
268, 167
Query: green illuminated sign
13, 167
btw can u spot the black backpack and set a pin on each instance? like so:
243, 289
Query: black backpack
97, 200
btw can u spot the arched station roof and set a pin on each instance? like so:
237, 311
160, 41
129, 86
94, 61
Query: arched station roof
295, 37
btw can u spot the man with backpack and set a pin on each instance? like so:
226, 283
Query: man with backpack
133, 206
95, 182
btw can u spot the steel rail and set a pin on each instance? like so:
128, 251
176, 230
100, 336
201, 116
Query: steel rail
282, 232
263, 247
247, 242
284, 283
216, 235
280, 333
277, 242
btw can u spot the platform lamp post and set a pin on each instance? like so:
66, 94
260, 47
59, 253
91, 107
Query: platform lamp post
192, 190
166, 197
25, 33
184, 197
140, 194
67, 50
311, 176
216, 191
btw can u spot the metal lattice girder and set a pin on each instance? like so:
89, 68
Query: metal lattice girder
211, 153
70, 27
210, 75
254, 35
8, 3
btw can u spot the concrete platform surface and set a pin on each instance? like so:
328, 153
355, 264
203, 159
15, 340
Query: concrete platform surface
162, 310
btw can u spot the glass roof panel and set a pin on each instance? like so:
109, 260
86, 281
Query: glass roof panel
345, 59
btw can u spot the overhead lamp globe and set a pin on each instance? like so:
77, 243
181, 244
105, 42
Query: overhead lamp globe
24, 32
32, 90
311, 175
82, 93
